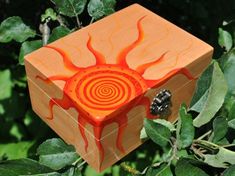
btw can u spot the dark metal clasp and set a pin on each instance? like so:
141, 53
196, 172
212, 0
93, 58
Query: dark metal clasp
161, 103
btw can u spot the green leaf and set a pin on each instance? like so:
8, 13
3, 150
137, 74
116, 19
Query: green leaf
231, 124
182, 153
229, 107
225, 39
222, 159
70, 8
216, 94
72, 172
227, 63
47, 174
89, 171
49, 14
99, 8
165, 123
230, 171
169, 125
185, 168
223, 141
220, 129
13, 28
17, 131
35, 124
185, 128
202, 87
11, 105
55, 154
198, 106
2, 111
22, 167
28, 47
162, 170
58, 32
143, 134
157, 132
15, 150
6, 84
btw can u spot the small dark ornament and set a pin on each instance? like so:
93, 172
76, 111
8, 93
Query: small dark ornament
161, 103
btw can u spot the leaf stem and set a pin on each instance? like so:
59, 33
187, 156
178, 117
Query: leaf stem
228, 145
61, 21
81, 164
78, 22
92, 20
75, 162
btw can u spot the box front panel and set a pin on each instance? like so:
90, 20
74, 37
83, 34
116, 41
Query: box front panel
69, 130
65, 126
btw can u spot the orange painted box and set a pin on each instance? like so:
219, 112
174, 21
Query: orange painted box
95, 86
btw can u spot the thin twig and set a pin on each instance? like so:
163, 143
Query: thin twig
45, 30
174, 153
204, 135
228, 145
130, 169
197, 151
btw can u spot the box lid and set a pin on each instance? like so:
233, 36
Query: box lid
99, 69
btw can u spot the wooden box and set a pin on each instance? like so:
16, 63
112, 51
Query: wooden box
95, 86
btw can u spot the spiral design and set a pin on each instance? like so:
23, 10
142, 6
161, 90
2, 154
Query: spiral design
105, 87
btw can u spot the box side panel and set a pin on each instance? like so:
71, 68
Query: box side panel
65, 126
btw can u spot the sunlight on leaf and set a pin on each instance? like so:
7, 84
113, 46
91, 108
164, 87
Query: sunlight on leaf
55, 154
225, 39
99, 8
49, 14
165, 123
222, 159
16, 150
215, 98
157, 132
13, 28
70, 8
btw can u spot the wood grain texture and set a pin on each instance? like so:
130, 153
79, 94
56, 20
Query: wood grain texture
94, 86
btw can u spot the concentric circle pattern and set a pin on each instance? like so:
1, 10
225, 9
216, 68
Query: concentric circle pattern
105, 87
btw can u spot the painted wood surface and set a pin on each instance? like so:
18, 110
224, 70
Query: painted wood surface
95, 86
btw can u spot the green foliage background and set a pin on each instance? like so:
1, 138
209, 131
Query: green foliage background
201, 143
